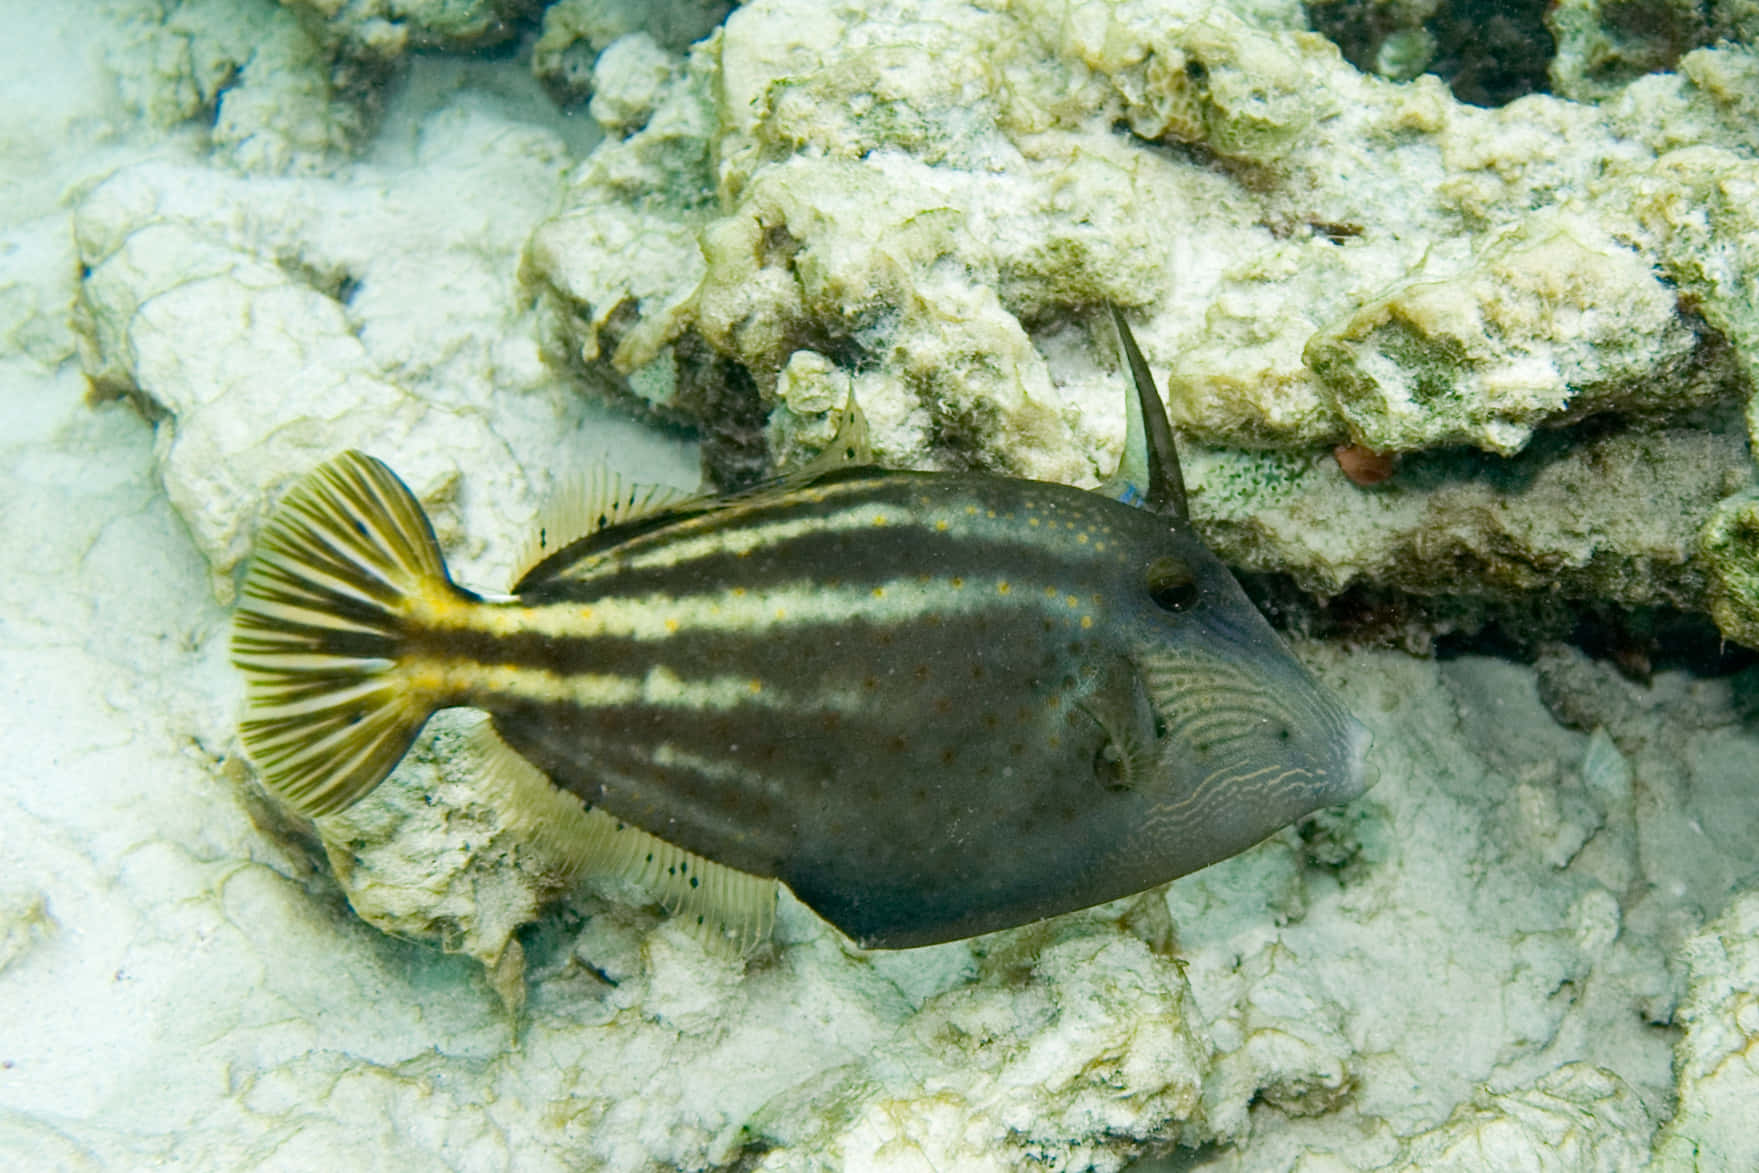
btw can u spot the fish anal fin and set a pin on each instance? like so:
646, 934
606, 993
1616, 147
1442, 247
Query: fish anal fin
724, 904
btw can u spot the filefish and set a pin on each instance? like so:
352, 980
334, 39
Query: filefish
933, 704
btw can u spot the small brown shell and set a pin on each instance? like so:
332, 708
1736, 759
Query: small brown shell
1365, 466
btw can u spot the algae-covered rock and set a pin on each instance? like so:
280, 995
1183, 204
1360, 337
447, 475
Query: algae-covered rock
211, 300
806, 205
380, 31
568, 56
929, 247
1717, 1059
465, 879
1212, 80
807, 213
256, 78
25, 922
627, 82
1101, 1059
829, 252
1577, 1117
1387, 37
1552, 323
1609, 516
1700, 204
1729, 546
1604, 45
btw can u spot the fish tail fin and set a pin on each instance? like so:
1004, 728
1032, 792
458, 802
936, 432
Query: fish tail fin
345, 560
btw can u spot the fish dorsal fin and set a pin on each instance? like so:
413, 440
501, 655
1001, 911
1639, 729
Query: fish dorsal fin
601, 500
1148, 471
848, 452
725, 905
849, 448
588, 503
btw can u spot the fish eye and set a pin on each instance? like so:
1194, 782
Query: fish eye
1171, 585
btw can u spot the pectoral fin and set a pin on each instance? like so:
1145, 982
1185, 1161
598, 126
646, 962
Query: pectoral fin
1115, 697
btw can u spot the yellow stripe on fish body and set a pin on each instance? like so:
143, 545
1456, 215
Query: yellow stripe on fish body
932, 704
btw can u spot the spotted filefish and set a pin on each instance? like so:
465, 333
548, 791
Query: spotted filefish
934, 704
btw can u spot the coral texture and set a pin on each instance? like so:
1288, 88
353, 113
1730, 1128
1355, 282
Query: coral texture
1344, 260
1531, 946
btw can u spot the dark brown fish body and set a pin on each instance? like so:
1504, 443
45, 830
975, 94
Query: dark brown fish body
932, 704
912, 698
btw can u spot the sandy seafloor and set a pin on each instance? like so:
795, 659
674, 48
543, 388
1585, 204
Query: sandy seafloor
1530, 947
